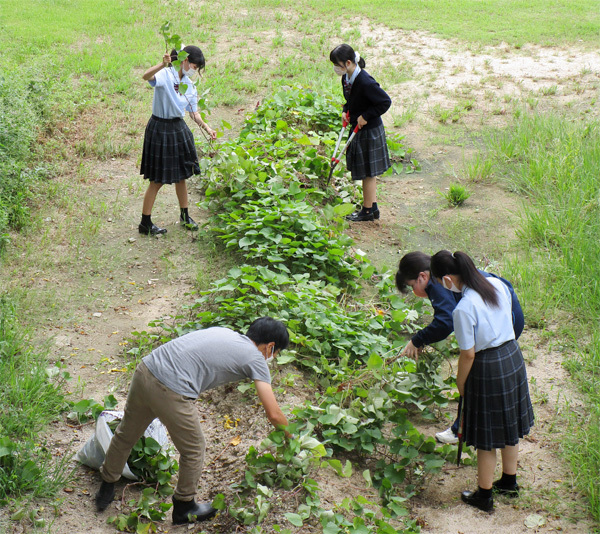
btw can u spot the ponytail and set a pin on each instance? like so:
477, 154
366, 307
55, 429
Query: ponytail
459, 263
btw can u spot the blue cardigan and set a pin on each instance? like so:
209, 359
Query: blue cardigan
366, 98
444, 302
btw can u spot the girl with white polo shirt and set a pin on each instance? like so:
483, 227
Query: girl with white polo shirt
491, 377
169, 155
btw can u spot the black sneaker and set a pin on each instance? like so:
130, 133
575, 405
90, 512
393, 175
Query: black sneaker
105, 495
151, 230
473, 498
189, 224
509, 491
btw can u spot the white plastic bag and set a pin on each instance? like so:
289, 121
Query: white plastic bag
93, 452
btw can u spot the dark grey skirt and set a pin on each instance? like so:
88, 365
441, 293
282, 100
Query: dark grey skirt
367, 155
169, 154
497, 405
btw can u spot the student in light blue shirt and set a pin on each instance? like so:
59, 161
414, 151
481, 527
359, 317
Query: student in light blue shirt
491, 377
169, 155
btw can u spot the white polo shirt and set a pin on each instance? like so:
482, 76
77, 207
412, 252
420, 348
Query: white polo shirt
168, 103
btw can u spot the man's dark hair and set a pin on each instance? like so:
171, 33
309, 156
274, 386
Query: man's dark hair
267, 329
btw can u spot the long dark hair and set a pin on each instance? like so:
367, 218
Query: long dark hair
409, 268
343, 53
194, 55
444, 262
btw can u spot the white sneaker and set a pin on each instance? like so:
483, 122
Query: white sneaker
447, 436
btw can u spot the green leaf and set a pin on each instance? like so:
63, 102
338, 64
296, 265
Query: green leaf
287, 358
375, 361
347, 469
294, 519
219, 502
344, 209
534, 521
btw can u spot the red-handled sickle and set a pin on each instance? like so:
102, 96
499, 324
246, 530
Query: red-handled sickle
336, 159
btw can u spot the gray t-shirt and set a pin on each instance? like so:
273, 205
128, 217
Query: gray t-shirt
205, 359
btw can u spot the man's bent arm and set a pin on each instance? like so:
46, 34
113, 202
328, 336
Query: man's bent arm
269, 402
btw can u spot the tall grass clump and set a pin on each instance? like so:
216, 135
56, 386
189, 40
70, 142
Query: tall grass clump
555, 163
23, 106
30, 397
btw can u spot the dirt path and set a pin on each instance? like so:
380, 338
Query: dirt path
117, 281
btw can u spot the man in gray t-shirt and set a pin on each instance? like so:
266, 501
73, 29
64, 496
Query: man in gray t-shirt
166, 384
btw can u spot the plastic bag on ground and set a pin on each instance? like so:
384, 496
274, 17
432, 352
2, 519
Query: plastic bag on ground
94, 450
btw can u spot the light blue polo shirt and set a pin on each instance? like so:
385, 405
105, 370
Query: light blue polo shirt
476, 324
169, 103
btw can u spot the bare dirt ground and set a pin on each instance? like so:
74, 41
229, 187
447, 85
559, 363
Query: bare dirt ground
120, 281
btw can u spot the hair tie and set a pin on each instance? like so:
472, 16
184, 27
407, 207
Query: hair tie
356, 57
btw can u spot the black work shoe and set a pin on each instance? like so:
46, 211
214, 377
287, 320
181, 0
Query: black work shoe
472, 498
189, 224
105, 495
151, 230
362, 215
509, 491
190, 511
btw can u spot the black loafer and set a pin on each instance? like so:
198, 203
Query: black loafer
362, 215
190, 224
472, 498
151, 230
512, 491
191, 511
105, 496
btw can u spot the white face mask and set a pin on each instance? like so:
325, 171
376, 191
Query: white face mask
339, 70
270, 358
452, 287
189, 73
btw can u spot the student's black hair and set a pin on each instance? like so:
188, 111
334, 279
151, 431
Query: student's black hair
409, 268
343, 53
444, 262
194, 55
267, 329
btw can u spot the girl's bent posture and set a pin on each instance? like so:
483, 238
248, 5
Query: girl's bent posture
169, 155
367, 156
491, 376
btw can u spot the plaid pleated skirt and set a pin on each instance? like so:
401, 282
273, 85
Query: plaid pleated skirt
169, 154
367, 155
497, 405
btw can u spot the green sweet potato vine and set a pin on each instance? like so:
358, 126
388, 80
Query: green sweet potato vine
271, 210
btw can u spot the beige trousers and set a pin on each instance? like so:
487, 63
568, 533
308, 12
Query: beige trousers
147, 399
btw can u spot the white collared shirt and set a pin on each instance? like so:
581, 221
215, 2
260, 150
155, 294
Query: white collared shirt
479, 325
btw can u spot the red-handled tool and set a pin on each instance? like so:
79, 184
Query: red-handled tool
336, 159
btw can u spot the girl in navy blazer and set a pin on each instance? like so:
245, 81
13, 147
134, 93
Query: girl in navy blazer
367, 156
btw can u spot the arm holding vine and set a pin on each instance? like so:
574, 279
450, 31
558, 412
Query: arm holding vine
272, 409
197, 118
